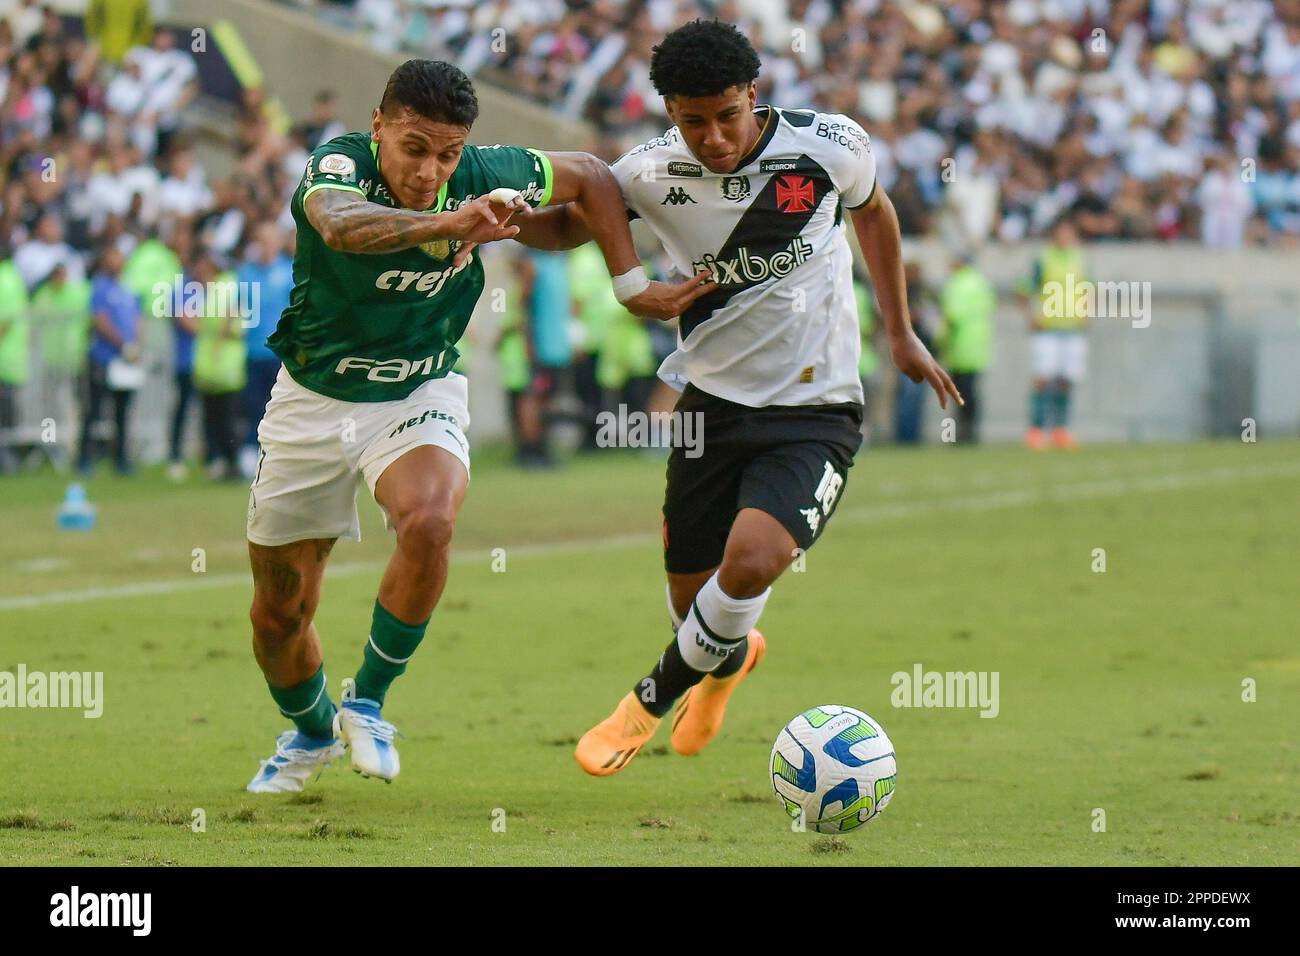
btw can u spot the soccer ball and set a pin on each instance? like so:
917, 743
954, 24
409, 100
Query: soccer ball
834, 768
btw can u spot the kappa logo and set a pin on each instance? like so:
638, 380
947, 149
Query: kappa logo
735, 188
677, 196
814, 518
795, 194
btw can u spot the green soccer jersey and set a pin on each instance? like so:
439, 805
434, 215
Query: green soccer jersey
373, 328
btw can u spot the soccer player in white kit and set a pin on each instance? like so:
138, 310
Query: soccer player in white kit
758, 197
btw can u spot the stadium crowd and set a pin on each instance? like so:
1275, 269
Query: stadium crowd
1139, 119
103, 204
1149, 119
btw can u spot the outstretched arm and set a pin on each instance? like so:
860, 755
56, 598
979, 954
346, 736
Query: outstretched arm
554, 227
587, 204
876, 224
350, 223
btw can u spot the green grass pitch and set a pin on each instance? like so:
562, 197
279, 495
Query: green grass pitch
1120, 691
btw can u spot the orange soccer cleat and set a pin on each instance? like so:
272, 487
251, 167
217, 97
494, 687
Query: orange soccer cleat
610, 746
699, 715
1036, 439
1062, 438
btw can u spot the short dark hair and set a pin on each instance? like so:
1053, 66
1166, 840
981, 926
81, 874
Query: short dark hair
434, 89
703, 58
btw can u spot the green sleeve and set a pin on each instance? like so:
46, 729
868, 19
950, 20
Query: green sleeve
527, 170
339, 164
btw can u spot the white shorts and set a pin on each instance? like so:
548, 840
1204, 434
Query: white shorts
315, 451
1060, 355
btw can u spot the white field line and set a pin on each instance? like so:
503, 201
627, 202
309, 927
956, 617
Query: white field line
1066, 493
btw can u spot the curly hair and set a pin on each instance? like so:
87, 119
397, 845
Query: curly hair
702, 58
434, 89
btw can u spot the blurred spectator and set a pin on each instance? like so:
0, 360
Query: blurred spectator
1225, 204
115, 372
595, 303
118, 25
36, 258
220, 358
185, 327
868, 360
1058, 319
967, 302
1020, 95
60, 315
544, 296
151, 271
184, 194
324, 124
909, 399
268, 279
15, 357
169, 78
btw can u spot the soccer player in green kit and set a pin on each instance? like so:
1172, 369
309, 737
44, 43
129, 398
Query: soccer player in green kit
385, 281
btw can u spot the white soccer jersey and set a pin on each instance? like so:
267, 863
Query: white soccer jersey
782, 326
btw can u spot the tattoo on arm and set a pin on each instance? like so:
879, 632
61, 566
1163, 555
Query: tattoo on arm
349, 223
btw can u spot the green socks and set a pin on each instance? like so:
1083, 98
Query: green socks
308, 706
391, 645
1038, 400
1050, 405
1062, 403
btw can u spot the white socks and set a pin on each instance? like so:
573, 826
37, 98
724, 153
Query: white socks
672, 611
715, 625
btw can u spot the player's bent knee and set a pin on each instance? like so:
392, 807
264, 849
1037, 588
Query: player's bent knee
276, 625
428, 526
749, 572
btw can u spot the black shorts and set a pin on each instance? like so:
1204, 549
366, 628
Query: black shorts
790, 461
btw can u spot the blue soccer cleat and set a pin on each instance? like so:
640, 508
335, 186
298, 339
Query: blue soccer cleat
296, 758
360, 726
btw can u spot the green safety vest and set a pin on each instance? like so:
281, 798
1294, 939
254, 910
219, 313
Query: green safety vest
967, 301
15, 361
152, 271
593, 295
220, 357
869, 361
62, 313
1058, 273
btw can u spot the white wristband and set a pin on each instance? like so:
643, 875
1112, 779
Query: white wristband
630, 284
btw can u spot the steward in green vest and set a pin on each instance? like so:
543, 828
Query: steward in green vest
15, 341
61, 315
220, 363
966, 304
